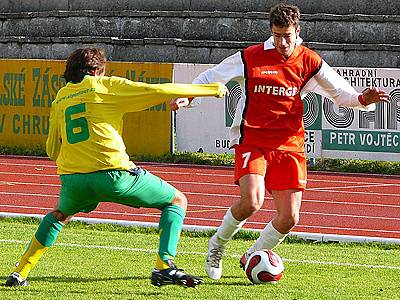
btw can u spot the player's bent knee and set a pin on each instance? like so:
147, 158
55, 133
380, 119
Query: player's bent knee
61, 216
292, 222
253, 207
244, 209
287, 223
252, 204
180, 200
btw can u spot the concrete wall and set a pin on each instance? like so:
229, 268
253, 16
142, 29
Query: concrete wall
340, 7
355, 33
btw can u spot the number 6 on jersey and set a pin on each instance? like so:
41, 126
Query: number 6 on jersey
77, 128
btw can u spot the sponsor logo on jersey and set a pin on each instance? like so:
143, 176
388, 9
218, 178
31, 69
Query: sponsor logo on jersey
269, 72
276, 90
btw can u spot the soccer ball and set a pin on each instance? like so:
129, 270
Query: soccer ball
264, 266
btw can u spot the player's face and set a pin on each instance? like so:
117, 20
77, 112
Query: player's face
285, 39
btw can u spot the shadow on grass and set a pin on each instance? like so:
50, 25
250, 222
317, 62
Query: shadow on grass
36, 286
80, 279
233, 280
54, 279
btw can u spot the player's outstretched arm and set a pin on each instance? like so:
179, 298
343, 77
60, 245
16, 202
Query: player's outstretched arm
330, 84
178, 103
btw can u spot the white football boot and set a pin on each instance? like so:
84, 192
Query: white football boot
214, 259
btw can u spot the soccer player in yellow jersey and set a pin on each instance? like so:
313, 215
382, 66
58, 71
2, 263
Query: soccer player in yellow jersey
85, 140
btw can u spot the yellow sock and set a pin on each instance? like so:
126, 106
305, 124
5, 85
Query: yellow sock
31, 256
160, 264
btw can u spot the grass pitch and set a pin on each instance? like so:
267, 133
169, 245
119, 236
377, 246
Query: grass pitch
105, 262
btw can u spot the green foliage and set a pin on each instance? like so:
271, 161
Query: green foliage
189, 158
357, 166
28, 151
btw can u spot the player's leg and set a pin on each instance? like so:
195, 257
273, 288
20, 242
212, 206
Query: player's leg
250, 168
170, 227
287, 201
140, 188
73, 195
45, 236
287, 205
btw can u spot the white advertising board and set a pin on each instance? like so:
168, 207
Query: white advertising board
331, 131
200, 128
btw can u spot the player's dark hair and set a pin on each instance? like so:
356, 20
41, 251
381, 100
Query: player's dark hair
84, 61
284, 15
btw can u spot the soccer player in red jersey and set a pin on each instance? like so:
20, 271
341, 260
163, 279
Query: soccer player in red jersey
268, 131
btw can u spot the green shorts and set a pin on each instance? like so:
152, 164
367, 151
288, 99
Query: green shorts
135, 188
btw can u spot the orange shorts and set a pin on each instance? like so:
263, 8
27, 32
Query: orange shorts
282, 170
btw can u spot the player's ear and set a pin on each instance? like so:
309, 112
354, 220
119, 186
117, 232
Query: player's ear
297, 31
99, 72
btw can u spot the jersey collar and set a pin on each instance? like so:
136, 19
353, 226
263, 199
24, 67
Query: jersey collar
269, 44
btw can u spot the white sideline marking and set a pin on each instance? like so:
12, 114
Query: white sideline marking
288, 260
333, 263
318, 237
156, 215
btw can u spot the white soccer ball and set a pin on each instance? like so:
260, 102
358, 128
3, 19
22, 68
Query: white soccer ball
264, 266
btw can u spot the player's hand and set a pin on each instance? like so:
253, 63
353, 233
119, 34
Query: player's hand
374, 95
177, 103
224, 90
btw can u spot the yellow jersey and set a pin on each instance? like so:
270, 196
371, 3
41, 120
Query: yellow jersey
86, 119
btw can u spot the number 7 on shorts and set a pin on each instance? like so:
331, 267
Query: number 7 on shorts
246, 157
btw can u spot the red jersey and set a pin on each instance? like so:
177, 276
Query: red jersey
269, 111
273, 112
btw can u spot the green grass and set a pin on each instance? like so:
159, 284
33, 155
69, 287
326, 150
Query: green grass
77, 268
